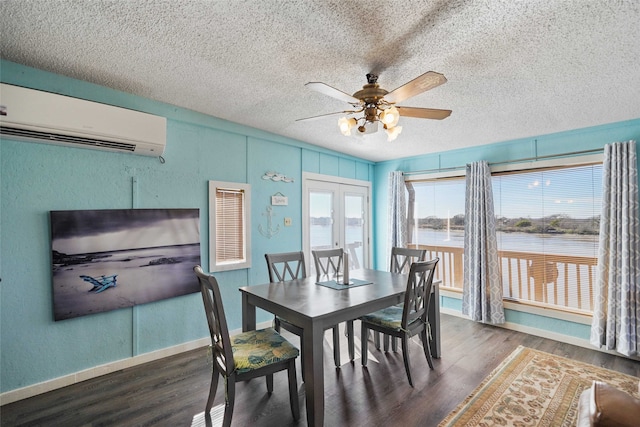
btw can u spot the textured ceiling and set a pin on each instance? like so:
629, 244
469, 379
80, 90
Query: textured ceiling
515, 69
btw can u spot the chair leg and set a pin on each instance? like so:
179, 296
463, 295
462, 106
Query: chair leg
212, 390
394, 344
230, 401
293, 390
426, 348
269, 383
405, 356
336, 345
301, 359
386, 339
376, 339
350, 339
364, 349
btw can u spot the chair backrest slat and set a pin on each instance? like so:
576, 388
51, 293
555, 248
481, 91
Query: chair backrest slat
220, 341
286, 266
328, 262
417, 295
402, 258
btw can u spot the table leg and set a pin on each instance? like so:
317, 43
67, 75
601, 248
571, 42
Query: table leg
351, 340
434, 321
312, 342
248, 314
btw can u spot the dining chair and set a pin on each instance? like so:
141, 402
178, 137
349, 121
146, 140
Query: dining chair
287, 266
328, 264
401, 260
243, 356
409, 319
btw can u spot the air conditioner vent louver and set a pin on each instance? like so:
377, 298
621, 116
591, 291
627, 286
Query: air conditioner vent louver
96, 143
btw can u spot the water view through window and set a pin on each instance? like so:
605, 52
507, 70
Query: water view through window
547, 230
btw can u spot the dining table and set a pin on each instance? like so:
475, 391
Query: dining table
316, 308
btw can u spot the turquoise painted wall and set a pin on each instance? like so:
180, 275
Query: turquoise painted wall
564, 142
546, 323
37, 178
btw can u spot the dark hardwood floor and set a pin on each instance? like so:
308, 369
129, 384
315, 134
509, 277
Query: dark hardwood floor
173, 391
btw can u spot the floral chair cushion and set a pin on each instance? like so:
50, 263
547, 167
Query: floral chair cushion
255, 349
390, 317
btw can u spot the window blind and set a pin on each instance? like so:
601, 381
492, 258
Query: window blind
547, 230
230, 226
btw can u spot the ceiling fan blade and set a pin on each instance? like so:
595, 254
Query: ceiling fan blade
332, 92
420, 84
423, 113
321, 116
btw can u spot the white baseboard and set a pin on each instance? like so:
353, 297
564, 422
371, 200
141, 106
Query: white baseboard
579, 342
530, 330
96, 371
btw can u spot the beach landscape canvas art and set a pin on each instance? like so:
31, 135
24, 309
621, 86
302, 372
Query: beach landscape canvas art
104, 260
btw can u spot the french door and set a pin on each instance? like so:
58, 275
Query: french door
336, 214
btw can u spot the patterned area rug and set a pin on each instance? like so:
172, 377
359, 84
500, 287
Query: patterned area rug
533, 388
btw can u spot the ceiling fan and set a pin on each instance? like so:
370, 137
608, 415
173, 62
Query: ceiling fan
378, 105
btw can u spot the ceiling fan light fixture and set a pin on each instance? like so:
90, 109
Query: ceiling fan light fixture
393, 133
346, 124
390, 117
378, 106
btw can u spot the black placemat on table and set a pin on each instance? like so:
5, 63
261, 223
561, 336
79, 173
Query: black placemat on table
353, 283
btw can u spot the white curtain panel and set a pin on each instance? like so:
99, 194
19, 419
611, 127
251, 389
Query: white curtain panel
616, 311
482, 285
397, 211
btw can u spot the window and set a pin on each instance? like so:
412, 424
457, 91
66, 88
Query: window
436, 222
548, 222
229, 226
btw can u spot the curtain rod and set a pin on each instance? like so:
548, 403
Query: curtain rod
525, 159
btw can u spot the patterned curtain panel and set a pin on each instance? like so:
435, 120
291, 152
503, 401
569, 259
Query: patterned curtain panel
397, 210
616, 312
482, 285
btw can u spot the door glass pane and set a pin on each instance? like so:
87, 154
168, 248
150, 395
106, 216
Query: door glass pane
354, 229
336, 216
321, 220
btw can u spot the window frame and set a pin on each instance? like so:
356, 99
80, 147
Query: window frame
214, 263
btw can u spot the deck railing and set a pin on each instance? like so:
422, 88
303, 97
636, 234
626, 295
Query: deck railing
561, 280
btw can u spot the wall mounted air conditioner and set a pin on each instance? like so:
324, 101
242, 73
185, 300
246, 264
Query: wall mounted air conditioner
33, 115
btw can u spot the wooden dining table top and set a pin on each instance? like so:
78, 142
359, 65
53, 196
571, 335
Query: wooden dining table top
305, 298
